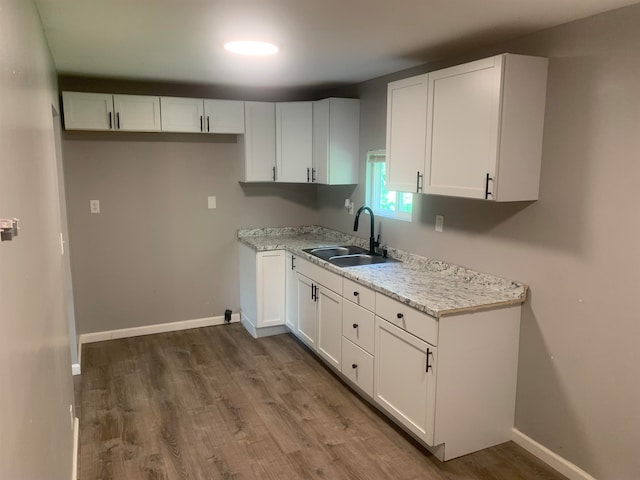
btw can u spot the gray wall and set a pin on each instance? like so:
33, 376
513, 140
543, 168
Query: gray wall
577, 247
36, 433
155, 253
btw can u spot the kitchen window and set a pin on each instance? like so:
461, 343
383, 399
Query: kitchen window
383, 202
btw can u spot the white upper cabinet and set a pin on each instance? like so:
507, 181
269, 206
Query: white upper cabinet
88, 111
137, 113
484, 123
223, 116
182, 114
258, 144
99, 111
294, 142
336, 133
484, 128
406, 133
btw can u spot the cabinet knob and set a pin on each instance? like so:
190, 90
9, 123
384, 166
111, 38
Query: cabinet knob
355, 294
400, 315
354, 365
355, 325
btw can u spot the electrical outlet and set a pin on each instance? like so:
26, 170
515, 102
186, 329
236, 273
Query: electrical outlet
211, 203
94, 205
439, 223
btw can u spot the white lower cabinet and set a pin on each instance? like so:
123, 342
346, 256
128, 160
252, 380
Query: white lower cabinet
307, 318
450, 382
329, 326
262, 296
291, 293
405, 378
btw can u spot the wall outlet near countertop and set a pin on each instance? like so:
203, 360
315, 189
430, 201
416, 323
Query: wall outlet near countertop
94, 206
439, 223
211, 203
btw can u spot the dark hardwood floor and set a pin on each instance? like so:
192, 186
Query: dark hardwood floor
213, 403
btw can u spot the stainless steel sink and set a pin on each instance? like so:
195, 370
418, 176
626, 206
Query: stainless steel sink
359, 260
348, 256
326, 253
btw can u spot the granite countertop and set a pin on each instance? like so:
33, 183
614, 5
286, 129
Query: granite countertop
431, 286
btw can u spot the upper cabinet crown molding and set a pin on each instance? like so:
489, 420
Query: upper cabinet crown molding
483, 124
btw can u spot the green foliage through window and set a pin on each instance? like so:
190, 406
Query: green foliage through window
385, 202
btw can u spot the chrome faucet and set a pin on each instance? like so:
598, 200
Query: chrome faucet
373, 243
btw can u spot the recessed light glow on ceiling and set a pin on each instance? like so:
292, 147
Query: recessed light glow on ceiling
247, 47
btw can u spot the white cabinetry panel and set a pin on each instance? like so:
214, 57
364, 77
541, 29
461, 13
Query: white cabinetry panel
329, 326
259, 142
181, 114
405, 379
137, 113
224, 116
406, 133
88, 111
294, 142
357, 366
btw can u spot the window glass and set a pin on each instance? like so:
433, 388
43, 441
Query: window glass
386, 203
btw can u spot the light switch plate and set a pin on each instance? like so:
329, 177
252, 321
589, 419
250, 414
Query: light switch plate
211, 202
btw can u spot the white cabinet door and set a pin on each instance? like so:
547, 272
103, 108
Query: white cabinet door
406, 133
405, 378
224, 116
484, 128
336, 131
294, 142
271, 288
329, 326
462, 128
182, 114
291, 293
259, 142
137, 113
307, 325
88, 111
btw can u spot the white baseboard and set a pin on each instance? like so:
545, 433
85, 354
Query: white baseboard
562, 465
75, 369
76, 437
157, 328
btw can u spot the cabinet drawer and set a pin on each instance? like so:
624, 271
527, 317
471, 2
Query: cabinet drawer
319, 275
363, 296
417, 323
358, 325
357, 366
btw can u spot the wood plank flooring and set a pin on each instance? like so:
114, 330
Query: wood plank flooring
213, 403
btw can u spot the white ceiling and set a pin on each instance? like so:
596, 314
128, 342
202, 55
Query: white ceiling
322, 42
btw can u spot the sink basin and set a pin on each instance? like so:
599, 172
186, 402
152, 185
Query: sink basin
348, 256
326, 253
359, 260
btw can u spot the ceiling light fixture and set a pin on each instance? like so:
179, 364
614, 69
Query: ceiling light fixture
247, 47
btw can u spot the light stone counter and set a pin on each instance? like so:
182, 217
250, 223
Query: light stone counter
431, 286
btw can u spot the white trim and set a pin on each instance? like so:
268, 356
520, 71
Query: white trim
74, 461
157, 328
75, 369
562, 465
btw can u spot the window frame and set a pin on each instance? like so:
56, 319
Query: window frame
372, 190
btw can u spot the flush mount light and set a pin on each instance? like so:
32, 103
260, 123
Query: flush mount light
246, 47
